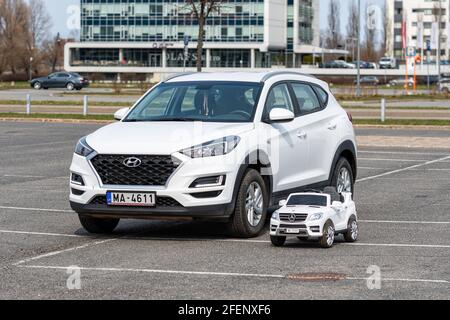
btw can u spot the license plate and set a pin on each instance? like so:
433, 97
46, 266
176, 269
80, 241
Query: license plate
293, 231
131, 199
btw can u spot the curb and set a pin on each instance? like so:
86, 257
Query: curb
411, 127
48, 120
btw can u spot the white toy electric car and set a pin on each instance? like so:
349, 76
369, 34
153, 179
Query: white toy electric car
315, 216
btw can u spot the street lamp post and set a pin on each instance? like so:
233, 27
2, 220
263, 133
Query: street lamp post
31, 68
358, 65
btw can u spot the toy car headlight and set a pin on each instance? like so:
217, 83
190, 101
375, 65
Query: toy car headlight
276, 216
316, 216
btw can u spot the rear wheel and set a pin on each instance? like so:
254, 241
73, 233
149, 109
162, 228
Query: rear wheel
98, 226
251, 206
351, 235
278, 241
70, 86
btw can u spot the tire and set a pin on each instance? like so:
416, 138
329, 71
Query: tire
343, 182
278, 241
70, 86
240, 225
37, 85
351, 235
98, 226
327, 239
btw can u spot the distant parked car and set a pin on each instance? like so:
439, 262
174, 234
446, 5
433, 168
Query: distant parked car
401, 82
338, 64
369, 80
68, 80
372, 65
444, 86
362, 64
388, 63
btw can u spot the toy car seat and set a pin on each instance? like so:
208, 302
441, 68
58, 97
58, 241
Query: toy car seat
335, 196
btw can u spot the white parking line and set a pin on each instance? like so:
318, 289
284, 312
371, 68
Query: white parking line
43, 234
398, 152
222, 274
35, 209
403, 169
392, 160
54, 253
404, 222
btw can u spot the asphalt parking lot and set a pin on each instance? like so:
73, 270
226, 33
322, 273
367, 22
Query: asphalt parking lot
403, 203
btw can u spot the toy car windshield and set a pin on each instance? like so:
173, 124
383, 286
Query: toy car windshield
307, 200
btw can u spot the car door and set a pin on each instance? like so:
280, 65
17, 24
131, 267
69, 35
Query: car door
52, 80
320, 125
287, 144
61, 80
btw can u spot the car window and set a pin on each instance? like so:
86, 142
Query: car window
279, 97
307, 200
306, 98
199, 101
322, 94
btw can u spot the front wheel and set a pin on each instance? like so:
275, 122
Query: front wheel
343, 178
251, 206
327, 239
98, 226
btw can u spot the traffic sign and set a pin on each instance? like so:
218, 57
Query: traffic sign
411, 52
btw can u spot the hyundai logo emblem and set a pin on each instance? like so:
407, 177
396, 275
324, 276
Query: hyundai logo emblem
292, 217
132, 162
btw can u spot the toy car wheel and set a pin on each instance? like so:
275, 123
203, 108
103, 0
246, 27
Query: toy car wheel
278, 241
327, 240
251, 206
352, 230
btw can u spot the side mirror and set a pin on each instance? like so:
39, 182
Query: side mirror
120, 114
281, 115
282, 203
336, 205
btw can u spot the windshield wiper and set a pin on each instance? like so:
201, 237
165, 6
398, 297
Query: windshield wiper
181, 119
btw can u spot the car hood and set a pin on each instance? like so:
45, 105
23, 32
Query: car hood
159, 137
302, 209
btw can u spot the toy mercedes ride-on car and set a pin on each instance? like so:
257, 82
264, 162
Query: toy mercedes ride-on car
315, 216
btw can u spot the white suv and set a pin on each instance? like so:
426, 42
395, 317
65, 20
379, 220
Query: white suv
225, 146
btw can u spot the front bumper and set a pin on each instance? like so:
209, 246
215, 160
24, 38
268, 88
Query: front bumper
178, 190
307, 229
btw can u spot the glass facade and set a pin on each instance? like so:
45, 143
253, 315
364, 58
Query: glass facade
169, 20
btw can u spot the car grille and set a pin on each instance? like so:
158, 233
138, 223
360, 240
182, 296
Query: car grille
299, 217
160, 202
153, 170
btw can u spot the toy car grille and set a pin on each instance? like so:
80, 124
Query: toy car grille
153, 170
289, 217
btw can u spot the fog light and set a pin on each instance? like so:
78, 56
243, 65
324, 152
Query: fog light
208, 182
77, 179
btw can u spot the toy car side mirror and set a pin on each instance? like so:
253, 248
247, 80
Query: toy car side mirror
336, 205
282, 203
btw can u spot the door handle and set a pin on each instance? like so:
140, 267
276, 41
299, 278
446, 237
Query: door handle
332, 126
302, 135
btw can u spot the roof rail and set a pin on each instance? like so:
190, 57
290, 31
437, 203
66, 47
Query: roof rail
281, 72
177, 76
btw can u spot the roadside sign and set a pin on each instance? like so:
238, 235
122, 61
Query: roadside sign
411, 52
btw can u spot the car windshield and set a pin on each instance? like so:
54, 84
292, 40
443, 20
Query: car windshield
307, 200
199, 101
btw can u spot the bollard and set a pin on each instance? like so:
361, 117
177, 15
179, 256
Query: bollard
85, 106
28, 104
383, 110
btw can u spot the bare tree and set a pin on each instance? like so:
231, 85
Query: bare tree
201, 10
53, 52
352, 26
334, 38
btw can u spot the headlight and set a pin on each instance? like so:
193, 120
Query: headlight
214, 148
83, 149
276, 215
316, 216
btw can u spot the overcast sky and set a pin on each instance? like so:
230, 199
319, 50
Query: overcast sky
58, 11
